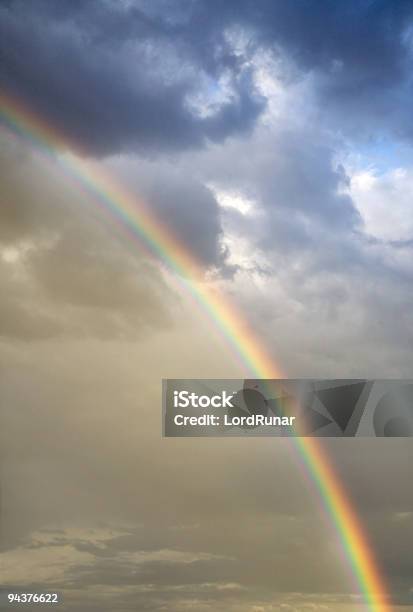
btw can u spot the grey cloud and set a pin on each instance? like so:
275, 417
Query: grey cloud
358, 52
363, 40
182, 203
297, 189
117, 79
121, 74
329, 295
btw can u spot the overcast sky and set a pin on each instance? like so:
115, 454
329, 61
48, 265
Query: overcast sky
275, 140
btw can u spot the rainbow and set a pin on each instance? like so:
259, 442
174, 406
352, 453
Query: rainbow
158, 239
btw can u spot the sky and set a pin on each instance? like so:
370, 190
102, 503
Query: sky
275, 140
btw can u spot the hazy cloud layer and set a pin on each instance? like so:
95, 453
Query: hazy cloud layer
101, 503
61, 270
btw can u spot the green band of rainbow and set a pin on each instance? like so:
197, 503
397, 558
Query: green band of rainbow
136, 216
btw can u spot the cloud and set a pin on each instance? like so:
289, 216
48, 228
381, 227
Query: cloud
30, 207
181, 202
358, 55
314, 275
256, 522
120, 78
127, 76
384, 200
291, 176
62, 270
72, 274
26, 566
53, 558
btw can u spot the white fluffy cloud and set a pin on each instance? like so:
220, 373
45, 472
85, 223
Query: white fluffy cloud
385, 202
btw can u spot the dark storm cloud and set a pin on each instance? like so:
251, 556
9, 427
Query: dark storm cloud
114, 78
119, 76
364, 37
359, 52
